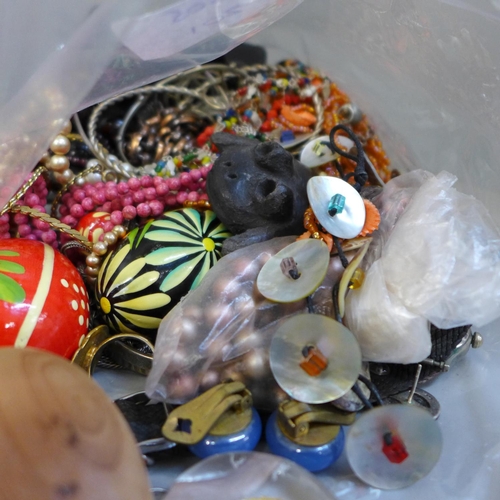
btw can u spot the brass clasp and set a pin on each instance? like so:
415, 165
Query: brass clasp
222, 410
311, 425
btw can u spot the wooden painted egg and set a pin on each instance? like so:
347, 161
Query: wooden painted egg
94, 224
62, 438
156, 265
43, 300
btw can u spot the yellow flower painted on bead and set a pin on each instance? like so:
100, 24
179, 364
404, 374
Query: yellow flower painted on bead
155, 266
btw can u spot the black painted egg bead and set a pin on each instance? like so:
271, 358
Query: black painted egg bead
155, 266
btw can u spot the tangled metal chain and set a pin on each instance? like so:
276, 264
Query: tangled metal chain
206, 91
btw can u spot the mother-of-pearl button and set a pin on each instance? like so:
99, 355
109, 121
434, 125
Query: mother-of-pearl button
316, 152
346, 224
330, 338
312, 258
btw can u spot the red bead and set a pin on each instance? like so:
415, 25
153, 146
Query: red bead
181, 197
266, 126
138, 197
134, 183
79, 195
129, 212
266, 86
278, 104
143, 210
77, 211
146, 181
195, 175
46, 286
126, 201
185, 179
88, 204
113, 205
123, 188
32, 200
192, 196
24, 230
204, 170
157, 180
49, 237
41, 225
272, 114
117, 217
150, 193
111, 193
108, 206
99, 197
92, 225
162, 189
69, 220
89, 189
20, 219
171, 200
174, 184
157, 207
108, 226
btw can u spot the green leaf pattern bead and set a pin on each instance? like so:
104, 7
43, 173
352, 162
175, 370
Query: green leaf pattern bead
10, 290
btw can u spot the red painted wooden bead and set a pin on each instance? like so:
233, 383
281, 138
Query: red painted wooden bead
92, 225
43, 300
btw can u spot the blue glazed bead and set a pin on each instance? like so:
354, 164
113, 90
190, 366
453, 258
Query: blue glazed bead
312, 458
245, 440
287, 135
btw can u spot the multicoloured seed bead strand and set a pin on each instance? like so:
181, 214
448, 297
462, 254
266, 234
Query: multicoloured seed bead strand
278, 102
137, 197
371, 143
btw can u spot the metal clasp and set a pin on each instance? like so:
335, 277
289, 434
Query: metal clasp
222, 410
311, 425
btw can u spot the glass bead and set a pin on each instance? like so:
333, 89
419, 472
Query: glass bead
357, 279
336, 205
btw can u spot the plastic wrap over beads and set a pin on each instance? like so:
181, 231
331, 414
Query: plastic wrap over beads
89, 50
223, 329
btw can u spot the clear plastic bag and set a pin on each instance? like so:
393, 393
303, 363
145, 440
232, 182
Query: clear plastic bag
435, 258
223, 329
442, 260
247, 475
385, 329
79, 53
